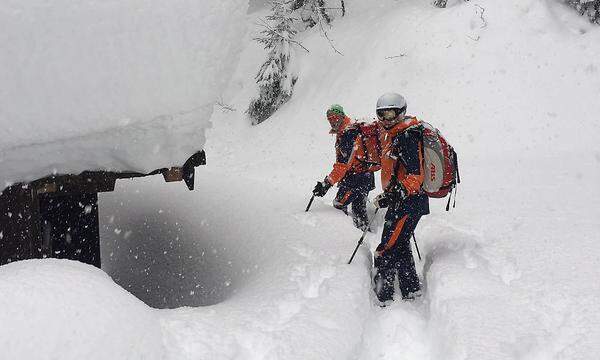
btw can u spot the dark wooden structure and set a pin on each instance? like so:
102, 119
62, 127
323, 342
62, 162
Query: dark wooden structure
57, 216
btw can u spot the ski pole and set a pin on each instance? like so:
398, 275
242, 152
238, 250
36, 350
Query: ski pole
309, 203
360, 241
417, 246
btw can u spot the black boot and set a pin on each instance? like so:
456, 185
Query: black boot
383, 281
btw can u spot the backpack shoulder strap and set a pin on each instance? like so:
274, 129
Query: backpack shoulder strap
413, 130
418, 127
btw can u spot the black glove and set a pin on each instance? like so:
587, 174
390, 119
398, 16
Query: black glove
393, 195
398, 191
382, 200
321, 188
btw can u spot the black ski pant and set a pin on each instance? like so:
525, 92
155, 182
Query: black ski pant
357, 198
396, 258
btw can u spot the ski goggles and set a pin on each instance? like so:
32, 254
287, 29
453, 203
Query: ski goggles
389, 114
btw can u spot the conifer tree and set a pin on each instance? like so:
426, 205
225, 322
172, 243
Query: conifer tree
590, 8
275, 78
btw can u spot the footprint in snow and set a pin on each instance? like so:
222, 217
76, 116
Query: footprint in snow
310, 279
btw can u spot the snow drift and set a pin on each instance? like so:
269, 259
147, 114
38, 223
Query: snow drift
64, 309
97, 85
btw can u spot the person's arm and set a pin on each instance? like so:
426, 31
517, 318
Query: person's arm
348, 146
411, 155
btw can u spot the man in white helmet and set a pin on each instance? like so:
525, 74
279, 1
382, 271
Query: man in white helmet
402, 176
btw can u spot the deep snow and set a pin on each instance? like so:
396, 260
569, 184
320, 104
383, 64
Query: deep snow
509, 274
65, 309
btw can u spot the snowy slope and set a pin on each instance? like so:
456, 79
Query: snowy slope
509, 274
121, 86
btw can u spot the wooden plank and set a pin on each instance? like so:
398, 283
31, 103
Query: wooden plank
173, 174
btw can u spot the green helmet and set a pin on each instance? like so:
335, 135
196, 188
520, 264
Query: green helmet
336, 109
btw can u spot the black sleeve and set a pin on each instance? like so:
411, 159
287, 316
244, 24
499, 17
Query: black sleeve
346, 145
408, 151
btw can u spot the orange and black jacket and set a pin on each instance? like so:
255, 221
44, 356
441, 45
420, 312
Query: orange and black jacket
402, 164
349, 169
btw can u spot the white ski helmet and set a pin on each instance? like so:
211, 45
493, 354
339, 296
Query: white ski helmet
389, 101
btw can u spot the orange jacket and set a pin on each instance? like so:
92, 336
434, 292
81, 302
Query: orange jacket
350, 153
403, 154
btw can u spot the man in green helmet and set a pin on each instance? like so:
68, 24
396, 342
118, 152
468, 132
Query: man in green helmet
351, 171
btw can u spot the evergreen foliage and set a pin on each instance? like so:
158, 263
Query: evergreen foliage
440, 3
591, 8
312, 12
275, 78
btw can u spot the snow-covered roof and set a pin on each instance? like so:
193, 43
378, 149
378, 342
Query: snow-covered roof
119, 86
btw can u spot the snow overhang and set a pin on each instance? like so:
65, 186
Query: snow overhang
122, 87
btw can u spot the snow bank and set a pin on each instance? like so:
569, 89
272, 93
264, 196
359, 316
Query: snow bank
125, 85
60, 309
